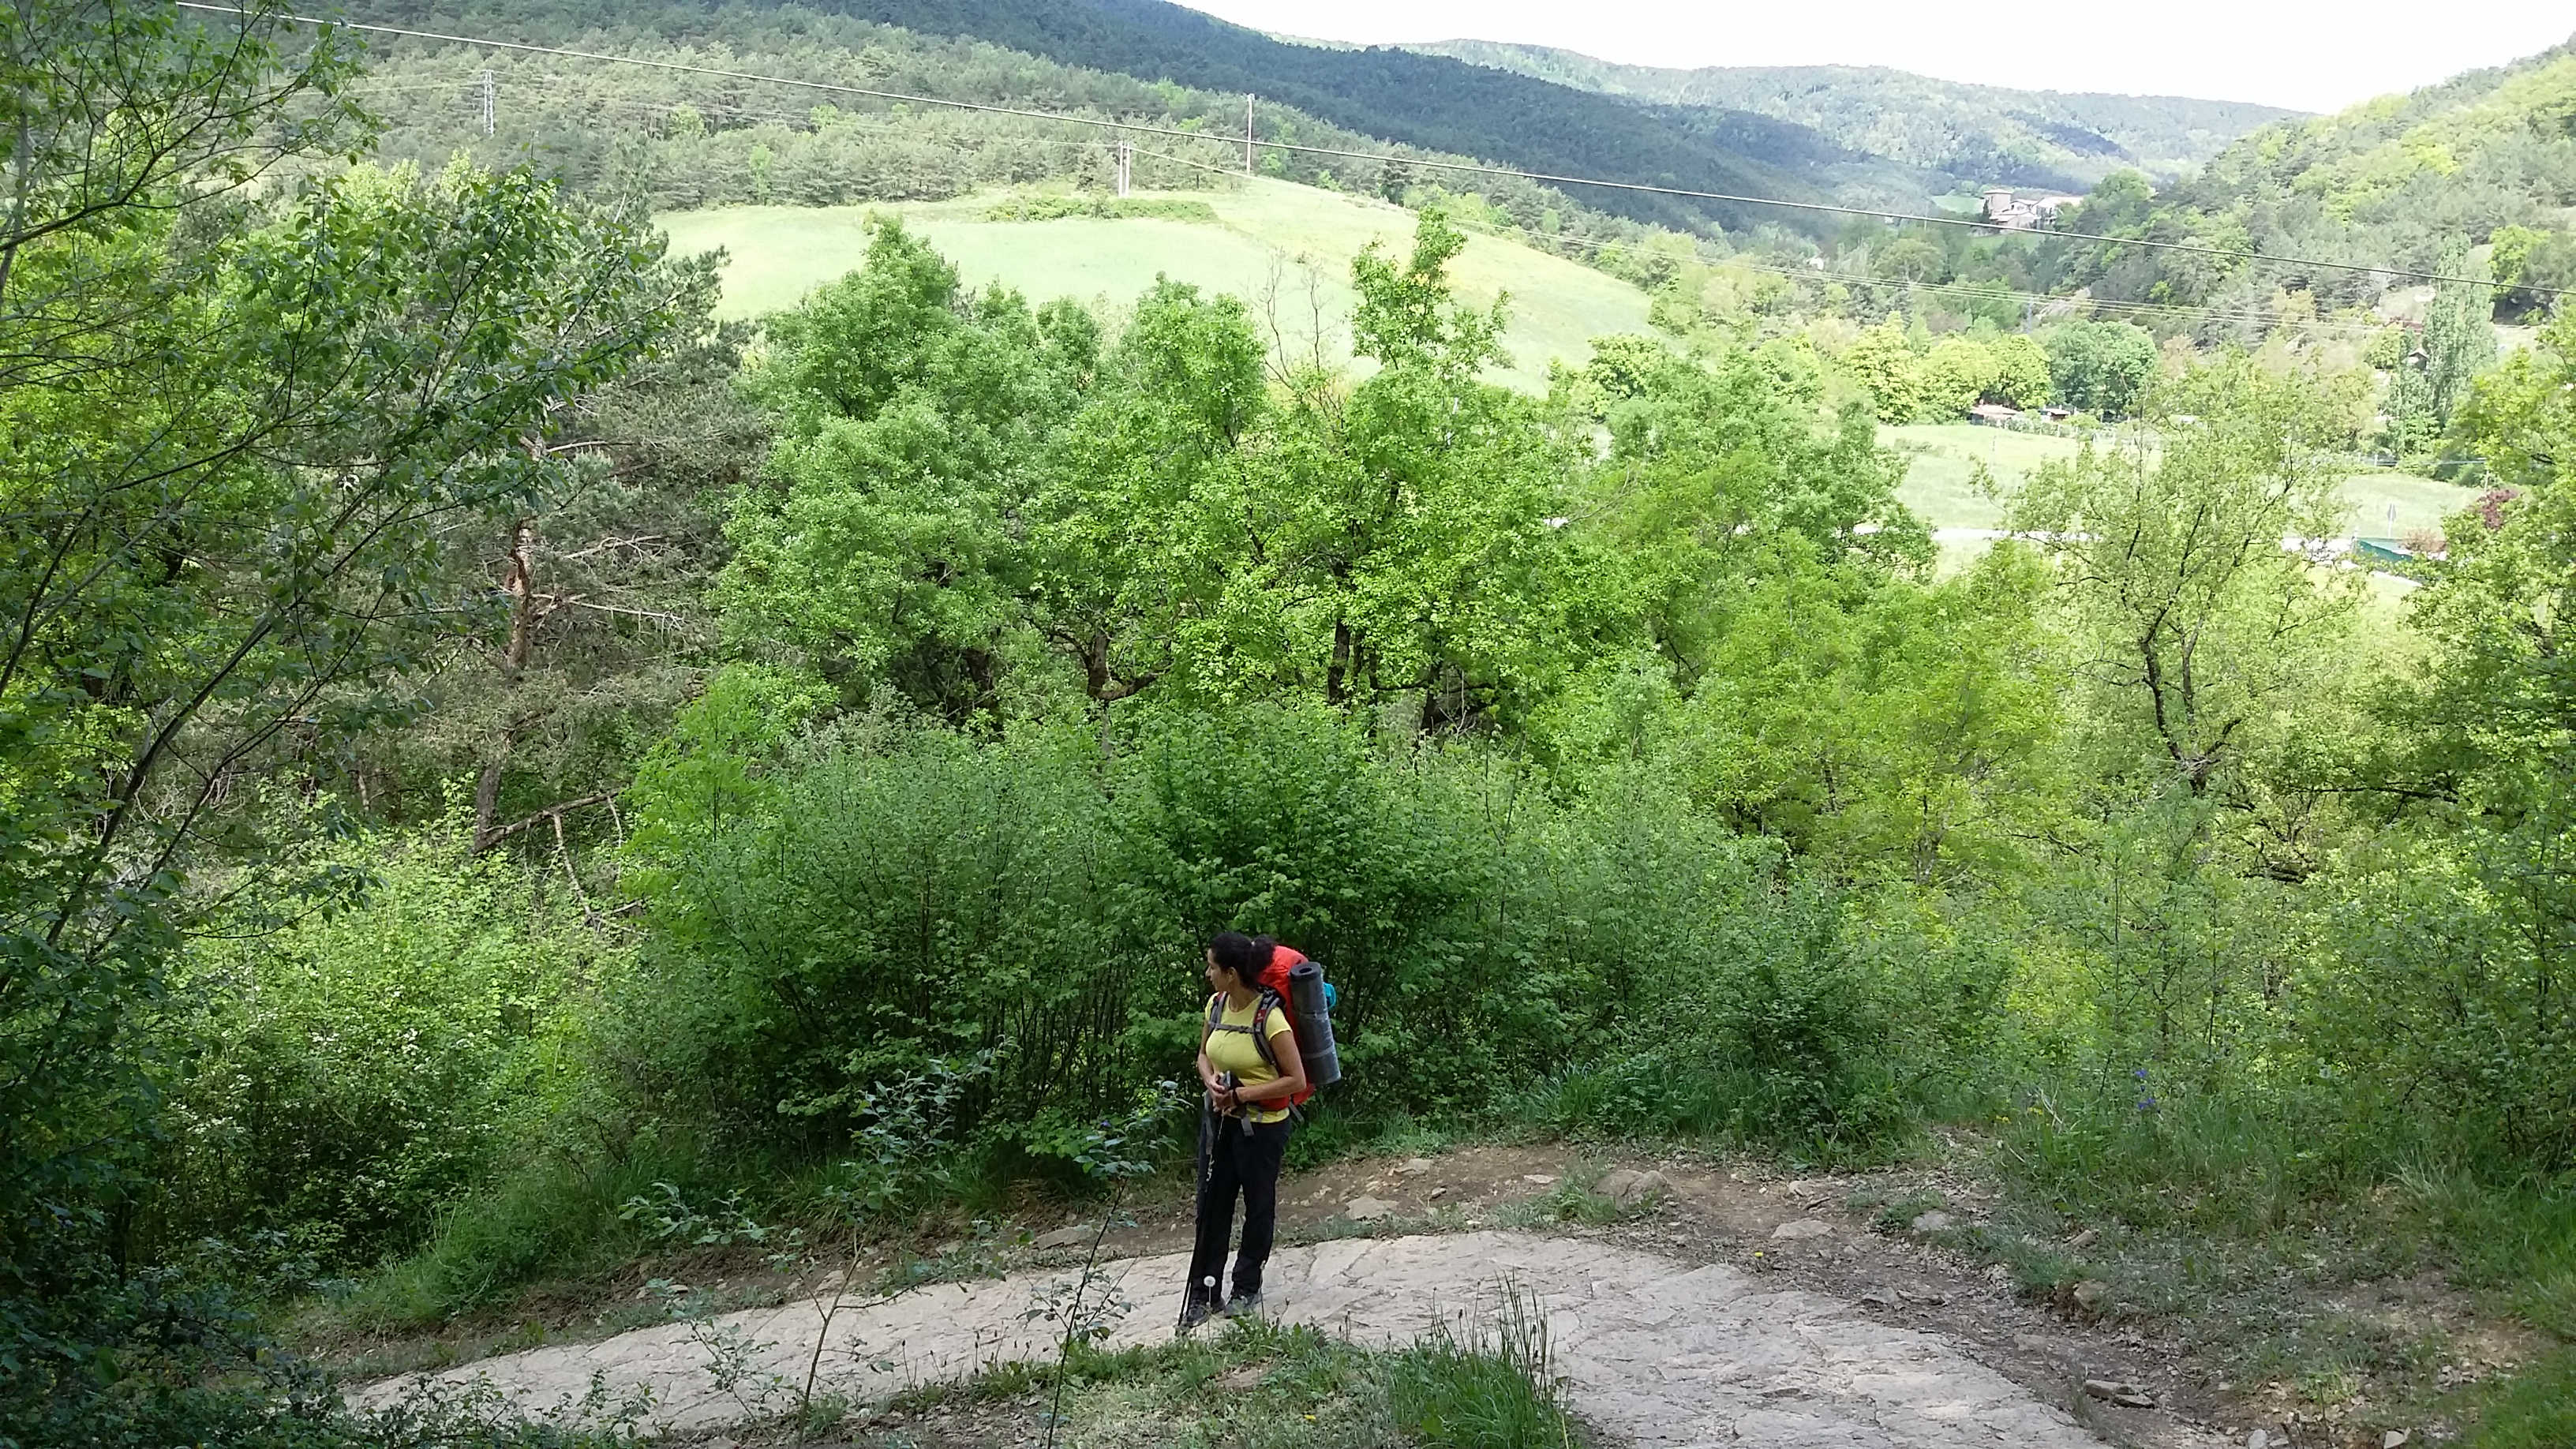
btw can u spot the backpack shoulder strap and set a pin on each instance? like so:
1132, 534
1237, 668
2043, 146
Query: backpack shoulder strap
1261, 1009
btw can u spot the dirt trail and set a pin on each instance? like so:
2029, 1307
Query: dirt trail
1654, 1351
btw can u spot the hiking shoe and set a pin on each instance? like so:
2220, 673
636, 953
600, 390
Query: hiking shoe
1194, 1313
1243, 1305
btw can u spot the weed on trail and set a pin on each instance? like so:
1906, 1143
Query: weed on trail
1256, 1385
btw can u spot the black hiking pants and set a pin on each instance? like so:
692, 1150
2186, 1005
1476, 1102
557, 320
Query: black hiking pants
1235, 1157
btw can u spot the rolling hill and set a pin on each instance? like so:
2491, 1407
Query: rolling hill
1266, 241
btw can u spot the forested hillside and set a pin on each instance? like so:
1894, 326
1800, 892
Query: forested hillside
530, 807
1432, 102
2485, 160
676, 141
1974, 134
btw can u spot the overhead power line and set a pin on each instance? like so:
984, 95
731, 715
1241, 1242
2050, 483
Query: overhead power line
1958, 290
1383, 157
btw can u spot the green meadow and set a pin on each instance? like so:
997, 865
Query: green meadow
1286, 248
1941, 480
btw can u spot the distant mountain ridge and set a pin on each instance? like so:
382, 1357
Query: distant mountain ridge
1973, 134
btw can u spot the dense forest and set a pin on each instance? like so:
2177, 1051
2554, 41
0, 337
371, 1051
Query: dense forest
504, 769
2487, 158
1441, 105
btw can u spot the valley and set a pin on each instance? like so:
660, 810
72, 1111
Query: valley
672, 674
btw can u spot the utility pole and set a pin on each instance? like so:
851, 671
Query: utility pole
487, 102
1126, 164
1247, 135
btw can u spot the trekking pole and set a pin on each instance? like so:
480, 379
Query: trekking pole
1207, 1164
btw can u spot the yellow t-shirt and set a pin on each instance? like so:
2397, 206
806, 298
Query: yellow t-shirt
1234, 1051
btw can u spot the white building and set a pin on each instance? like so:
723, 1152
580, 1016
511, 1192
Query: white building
2005, 210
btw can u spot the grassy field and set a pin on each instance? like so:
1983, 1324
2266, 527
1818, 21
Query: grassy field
1940, 483
1285, 248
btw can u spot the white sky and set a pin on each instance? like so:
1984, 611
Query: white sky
2311, 55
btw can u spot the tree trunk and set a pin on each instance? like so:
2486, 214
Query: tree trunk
519, 583
1338, 674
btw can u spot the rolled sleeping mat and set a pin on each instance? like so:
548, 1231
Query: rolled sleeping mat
1310, 1012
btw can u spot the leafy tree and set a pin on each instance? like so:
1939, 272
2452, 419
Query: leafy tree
910, 422
2492, 724
240, 425
1405, 525
1882, 360
2020, 376
1897, 732
2194, 623
1137, 525
1911, 259
1961, 372
2432, 382
2101, 368
1715, 472
2531, 265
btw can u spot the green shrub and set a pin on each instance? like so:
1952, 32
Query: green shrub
1113, 208
916, 893
349, 1076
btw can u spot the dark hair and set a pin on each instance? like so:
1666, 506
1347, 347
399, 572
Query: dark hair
1242, 955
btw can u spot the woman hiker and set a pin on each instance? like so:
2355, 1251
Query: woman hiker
1243, 1126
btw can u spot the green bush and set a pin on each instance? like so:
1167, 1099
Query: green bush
349, 1076
911, 893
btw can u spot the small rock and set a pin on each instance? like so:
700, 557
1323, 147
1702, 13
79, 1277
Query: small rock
1803, 1228
2117, 1392
1072, 1237
2393, 1439
1412, 1165
2083, 1240
1931, 1222
2258, 1440
2091, 1294
943, 1250
1541, 1178
1437, 1193
1627, 1188
1367, 1209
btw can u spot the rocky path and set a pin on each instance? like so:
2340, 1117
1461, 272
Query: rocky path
1654, 1351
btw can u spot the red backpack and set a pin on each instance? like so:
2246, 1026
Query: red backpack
1273, 996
